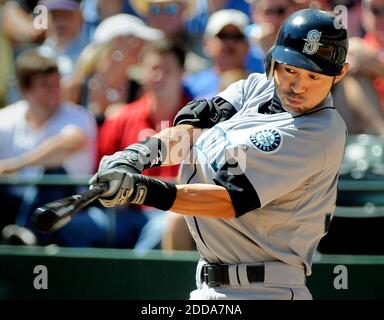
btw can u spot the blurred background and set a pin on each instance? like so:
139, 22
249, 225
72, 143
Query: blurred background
84, 79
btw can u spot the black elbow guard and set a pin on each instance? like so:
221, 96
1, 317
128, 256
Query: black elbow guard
205, 113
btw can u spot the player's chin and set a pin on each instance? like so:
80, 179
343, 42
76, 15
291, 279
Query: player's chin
293, 107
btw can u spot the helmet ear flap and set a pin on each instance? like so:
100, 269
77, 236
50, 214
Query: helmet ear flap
269, 64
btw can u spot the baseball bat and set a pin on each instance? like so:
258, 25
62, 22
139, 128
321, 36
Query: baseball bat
58, 213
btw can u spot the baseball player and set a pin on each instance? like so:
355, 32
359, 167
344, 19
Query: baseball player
259, 184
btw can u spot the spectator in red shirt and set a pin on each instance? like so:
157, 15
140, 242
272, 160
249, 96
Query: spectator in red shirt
162, 71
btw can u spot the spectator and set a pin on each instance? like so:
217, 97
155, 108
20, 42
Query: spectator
359, 105
226, 45
18, 34
162, 70
361, 94
95, 11
172, 17
268, 16
66, 38
255, 58
373, 23
168, 16
103, 75
41, 134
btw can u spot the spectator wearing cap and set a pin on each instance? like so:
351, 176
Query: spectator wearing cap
103, 78
225, 43
174, 18
65, 33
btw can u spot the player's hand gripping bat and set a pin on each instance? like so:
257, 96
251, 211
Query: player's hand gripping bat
56, 214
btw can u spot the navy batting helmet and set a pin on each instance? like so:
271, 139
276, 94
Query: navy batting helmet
310, 39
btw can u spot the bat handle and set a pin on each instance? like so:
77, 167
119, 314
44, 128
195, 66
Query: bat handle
94, 193
91, 195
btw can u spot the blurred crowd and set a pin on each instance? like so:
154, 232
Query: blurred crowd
84, 79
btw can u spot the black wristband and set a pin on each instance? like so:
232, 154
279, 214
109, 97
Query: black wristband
153, 192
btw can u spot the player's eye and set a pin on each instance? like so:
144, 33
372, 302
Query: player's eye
289, 70
314, 77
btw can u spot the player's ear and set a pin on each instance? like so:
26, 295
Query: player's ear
343, 73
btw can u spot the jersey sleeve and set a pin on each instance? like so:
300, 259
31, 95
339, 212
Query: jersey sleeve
240, 91
270, 169
234, 94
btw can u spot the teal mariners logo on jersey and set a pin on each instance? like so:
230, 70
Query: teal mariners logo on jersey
267, 140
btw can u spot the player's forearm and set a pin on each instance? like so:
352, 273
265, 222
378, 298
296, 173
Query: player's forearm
203, 200
200, 200
178, 141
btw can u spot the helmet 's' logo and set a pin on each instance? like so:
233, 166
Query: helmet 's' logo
312, 42
267, 140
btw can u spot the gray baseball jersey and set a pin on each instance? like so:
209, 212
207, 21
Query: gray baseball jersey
283, 181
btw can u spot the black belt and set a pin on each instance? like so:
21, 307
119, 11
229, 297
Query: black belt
217, 274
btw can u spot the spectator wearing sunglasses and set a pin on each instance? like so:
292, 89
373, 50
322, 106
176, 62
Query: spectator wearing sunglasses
362, 93
174, 18
226, 45
167, 15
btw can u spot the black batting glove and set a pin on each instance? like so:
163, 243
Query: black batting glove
137, 157
135, 188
